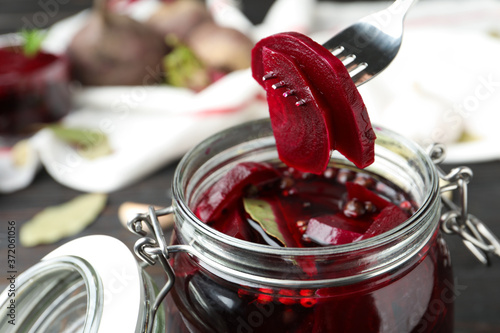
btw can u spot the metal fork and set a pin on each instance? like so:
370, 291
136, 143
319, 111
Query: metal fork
367, 47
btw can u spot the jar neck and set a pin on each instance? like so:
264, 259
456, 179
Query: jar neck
397, 159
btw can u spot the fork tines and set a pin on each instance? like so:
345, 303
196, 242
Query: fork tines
349, 60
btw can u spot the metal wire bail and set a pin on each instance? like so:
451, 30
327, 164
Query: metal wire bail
456, 219
152, 248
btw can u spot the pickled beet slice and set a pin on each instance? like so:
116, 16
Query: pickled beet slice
340, 221
288, 217
321, 231
389, 218
356, 191
234, 225
291, 235
301, 131
230, 188
346, 121
286, 224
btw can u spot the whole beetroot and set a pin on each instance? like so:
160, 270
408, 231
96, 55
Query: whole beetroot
220, 48
178, 18
113, 49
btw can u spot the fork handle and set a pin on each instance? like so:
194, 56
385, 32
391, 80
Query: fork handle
400, 7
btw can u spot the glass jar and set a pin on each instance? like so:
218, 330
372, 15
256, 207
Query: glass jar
92, 284
400, 281
33, 90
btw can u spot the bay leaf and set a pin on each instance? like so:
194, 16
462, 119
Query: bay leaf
64, 220
89, 143
262, 212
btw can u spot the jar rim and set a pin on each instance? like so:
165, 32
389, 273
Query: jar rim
396, 232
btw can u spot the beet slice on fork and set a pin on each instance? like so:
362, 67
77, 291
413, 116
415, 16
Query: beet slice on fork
300, 125
311, 68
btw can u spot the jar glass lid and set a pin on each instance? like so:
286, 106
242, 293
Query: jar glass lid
91, 284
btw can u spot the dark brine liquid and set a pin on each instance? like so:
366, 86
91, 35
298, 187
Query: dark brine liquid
340, 206
297, 209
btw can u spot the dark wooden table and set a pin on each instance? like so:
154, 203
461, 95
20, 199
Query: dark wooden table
478, 287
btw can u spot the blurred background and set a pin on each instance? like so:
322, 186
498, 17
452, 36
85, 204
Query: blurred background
444, 86
15, 13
